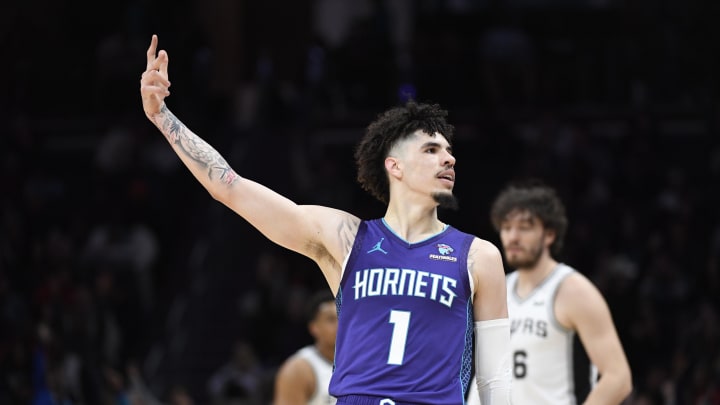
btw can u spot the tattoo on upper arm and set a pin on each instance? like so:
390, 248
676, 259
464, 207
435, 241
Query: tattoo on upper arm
347, 230
196, 148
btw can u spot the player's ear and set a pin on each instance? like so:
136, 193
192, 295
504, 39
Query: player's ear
312, 328
550, 236
392, 166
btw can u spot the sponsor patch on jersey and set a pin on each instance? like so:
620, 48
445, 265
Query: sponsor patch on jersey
444, 251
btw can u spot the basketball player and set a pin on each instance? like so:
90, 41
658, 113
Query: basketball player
401, 281
303, 378
549, 304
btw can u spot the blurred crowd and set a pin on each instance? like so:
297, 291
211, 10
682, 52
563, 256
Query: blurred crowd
123, 282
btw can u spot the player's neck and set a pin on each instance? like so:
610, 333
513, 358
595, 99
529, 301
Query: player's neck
327, 353
413, 223
531, 277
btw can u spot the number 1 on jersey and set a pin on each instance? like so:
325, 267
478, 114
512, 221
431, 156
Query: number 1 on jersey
401, 321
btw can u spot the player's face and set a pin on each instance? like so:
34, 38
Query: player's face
428, 166
524, 239
324, 326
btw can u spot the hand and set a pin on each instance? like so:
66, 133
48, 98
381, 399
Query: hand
154, 81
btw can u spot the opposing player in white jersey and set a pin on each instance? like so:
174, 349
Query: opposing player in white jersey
550, 305
304, 378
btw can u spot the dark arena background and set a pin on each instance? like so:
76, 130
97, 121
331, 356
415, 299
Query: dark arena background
120, 277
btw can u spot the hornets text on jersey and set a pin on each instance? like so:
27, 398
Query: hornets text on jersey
405, 319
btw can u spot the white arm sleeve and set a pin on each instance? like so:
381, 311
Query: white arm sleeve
492, 361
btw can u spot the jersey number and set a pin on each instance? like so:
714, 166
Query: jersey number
519, 366
401, 322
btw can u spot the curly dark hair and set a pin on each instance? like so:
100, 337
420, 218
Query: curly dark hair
382, 134
538, 199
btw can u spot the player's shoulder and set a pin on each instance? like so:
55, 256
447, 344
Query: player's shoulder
485, 260
325, 215
574, 282
297, 366
579, 291
483, 251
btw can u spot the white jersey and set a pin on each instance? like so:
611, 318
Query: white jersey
544, 353
323, 371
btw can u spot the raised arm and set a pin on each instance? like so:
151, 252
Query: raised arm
581, 305
321, 233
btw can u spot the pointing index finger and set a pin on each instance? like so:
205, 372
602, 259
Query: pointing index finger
151, 51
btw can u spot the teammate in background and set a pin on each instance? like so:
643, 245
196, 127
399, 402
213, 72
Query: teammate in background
304, 378
549, 304
401, 281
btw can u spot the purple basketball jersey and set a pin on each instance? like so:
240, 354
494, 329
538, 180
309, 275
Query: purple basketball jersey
405, 318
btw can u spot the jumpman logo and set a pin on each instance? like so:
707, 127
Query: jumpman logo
377, 247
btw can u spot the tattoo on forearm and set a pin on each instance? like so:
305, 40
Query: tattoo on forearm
195, 148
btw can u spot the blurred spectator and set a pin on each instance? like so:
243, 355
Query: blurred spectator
239, 381
508, 62
333, 20
180, 396
138, 392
